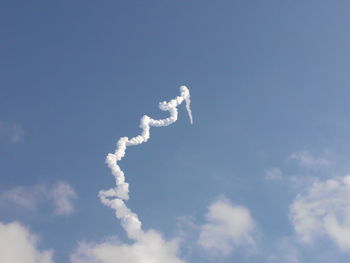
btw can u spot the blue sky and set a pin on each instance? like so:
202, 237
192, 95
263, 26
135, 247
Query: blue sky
259, 177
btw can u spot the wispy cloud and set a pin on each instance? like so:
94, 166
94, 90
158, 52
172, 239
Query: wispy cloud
25, 197
18, 245
301, 168
11, 132
273, 174
286, 251
296, 182
61, 195
311, 161
228, 227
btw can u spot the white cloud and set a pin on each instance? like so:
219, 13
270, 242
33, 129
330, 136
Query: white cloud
324, 210
294, 181
26, 197
309, 168
273, 174
150, 248
12, 132
18, 245
61, 195
306, 160
228, 226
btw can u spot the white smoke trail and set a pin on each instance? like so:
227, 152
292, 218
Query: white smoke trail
114, 197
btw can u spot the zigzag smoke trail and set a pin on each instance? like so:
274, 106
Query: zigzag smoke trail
114, 197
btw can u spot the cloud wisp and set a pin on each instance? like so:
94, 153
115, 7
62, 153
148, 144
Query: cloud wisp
307, 160
302, 168
61, 196
274, 173
11, 132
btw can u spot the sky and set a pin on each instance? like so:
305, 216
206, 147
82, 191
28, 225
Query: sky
262, 174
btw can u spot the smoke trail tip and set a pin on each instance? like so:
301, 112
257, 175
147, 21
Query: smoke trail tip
185, 93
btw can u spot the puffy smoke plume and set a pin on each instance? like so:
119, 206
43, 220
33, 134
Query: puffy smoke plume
114, 197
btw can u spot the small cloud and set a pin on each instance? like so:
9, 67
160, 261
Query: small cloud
228, 226
324, 210
305, 169
294, 181
61, 195
25, 197
17, 244
306, 160
11, 132
273, 174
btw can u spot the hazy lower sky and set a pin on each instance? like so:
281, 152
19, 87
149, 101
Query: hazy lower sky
260, 176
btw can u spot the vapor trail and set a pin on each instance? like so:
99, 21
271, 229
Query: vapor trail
114, 197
